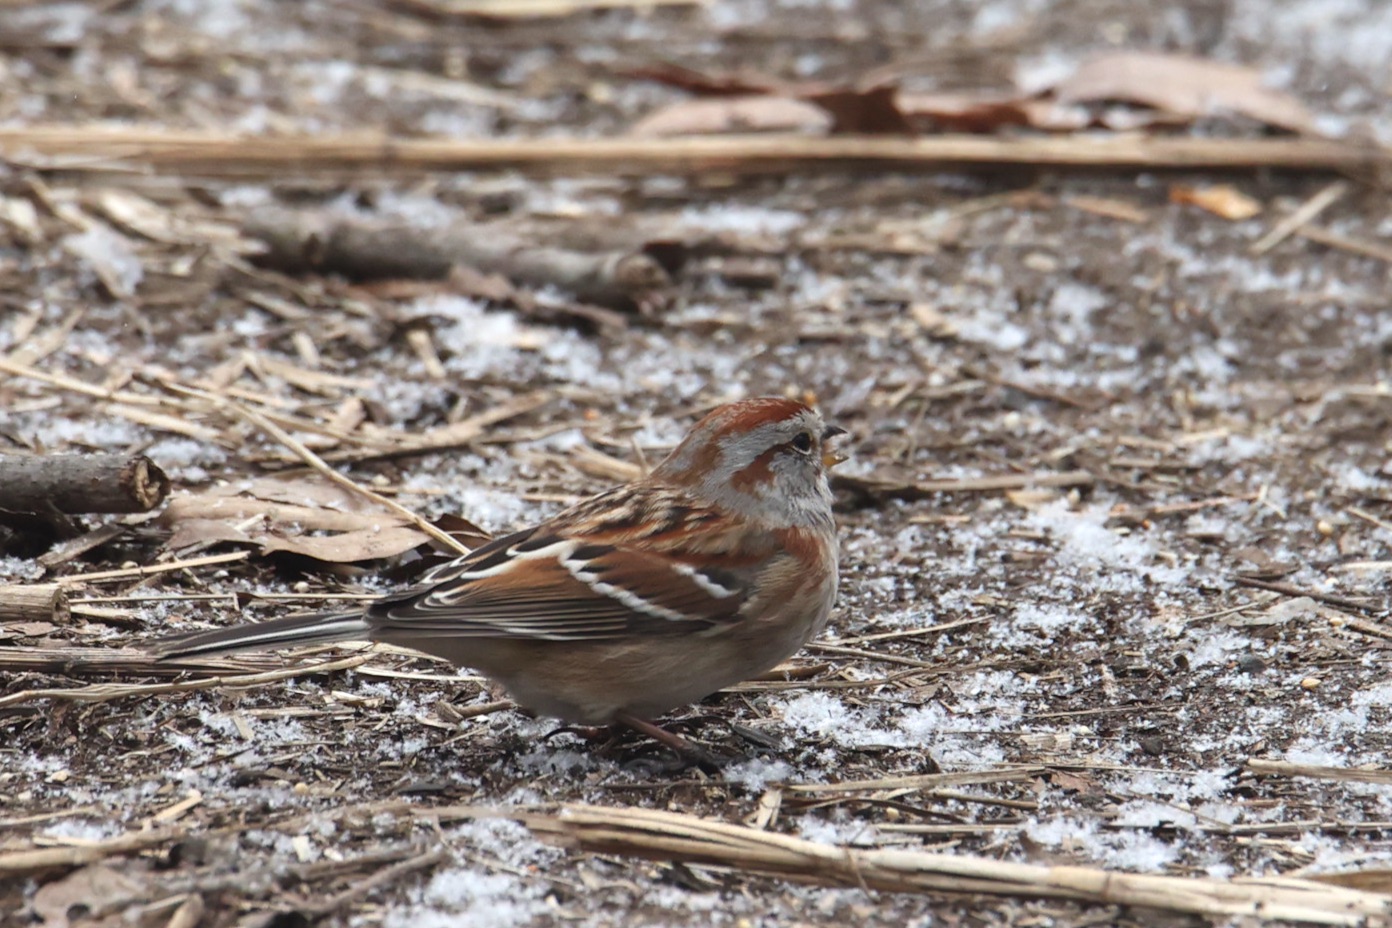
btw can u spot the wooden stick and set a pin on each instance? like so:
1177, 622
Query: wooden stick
1280, 768
15, 864
675, 837
77, 148
36, 602
105, 692
1306, 214
130, 573
78, 483
923, 781
870, 488
106, 662
1354, 246
364, 249
379, 879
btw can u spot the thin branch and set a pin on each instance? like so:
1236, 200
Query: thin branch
103, 148
671, 836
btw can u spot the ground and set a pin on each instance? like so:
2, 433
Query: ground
1206, 592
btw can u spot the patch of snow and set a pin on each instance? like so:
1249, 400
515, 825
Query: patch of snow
102, 248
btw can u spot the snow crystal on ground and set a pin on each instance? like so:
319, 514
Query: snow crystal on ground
471, 893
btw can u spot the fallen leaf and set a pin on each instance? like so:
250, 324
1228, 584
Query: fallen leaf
705, 84
987, 111
84, 896
1183, 85
505, 10
869, 109
1222, 200
368, 544
314, 519
1080, 783
862, 111
722, 115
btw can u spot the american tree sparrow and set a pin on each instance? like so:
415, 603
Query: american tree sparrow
710, 570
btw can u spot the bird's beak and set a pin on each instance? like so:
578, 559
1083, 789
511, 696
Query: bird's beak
831, 458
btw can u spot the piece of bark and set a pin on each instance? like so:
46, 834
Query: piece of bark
35, 602
80, 483
365, 249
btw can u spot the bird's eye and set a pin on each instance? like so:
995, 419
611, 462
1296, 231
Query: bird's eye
802, 442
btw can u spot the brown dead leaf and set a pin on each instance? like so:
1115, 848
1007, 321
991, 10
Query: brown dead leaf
1080, 783
701, 83
368, 544
987, 111
722, 115
85, 896
1222, 200
862, 111
508, 10
872, 108
315, 519
461, 529
1183, 85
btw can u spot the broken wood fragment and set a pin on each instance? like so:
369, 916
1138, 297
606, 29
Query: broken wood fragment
33, 602
365, 249
80, 483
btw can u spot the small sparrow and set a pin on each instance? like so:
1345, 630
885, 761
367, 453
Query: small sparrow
710, 570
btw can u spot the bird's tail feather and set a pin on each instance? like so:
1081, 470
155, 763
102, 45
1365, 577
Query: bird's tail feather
290, 632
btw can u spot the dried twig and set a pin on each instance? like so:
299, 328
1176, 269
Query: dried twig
364, 249
505, 10
1302, 216
130, 573
15, 864
384, 877
925, 781
1354, 246
105, 692
872, 489
676, 837
317, 463
103, 662
1280, 768
447, 437
221, 154
1362, 604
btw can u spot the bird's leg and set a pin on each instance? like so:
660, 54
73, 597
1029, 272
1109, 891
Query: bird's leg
685, 749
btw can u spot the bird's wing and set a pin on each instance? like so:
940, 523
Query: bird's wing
547, 584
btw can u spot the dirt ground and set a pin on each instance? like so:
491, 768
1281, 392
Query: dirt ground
1206, 588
